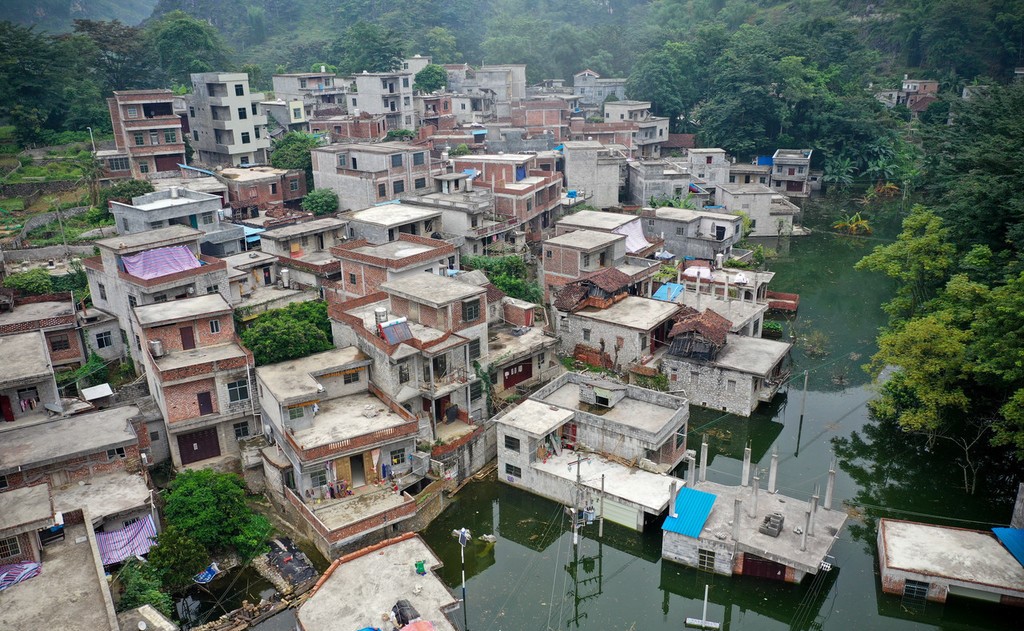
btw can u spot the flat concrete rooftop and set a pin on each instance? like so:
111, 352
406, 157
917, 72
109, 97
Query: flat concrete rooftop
970, 556
431, 289
304, 228
753, 355
68, 594
395, 250
200, 355
36, 311
373, 501
150, 238
746, 189
536, 418
419, 332
783, 549
63, 439
504, 348
687, 215
344, 418
251, 174
585, 240
651, 491
24, 509
296, 379
252, 258
103, 495
363, 587
596, 220
632, 312
390, 215
33, 361
630, 412
184, 309
386, 148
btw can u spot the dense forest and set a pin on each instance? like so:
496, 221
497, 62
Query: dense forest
745, 75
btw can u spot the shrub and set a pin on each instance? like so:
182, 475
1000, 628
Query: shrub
36, 281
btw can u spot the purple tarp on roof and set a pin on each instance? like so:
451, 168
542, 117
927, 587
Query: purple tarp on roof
160, 262
118, 545
17, 572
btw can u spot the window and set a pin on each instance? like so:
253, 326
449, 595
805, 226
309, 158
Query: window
680, 231
60, 343
302, 83
318, 477
293, 185
351, 377
351, 279
512, 443
104, 339
241, 429
257, 129
9, 548
396, 160
3, 482
706, 560
403, 372
242, 114
296, 412
103, 290
405, 80
118, 164
254, 110
474, 349
154, 436
470, 311
154, 137
680, 436
296, 112
547, 254
245, 137
133, 112
116, 453
405, 102
143, 167
541, 358
195, 134
398, 457
732, 179
160, 298
140, 138
476, 390
170, 136
239, 89
643, 342
420, 182
586, 260
586, 335
650, 223
132, 302
417, 158
398, 186
513, 470
212, 289
353, 102
730, 386
382, 190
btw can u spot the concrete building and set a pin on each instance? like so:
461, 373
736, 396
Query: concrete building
387, 93
254, 288
791, 172
133, 269
468, 213
660, 180
381, 224
290, 115
740, 296
364, 266
720, 370
927, 562
434, 110
520, 355
423, 333
770, 213
350, 128
54, 315
710, 166
595, 425
617, 334
364, 175
594, 171
547, 116
261, 188
359, 586
740, 173
303, 251
627, 225
337, 433
147, 135
750, 531
700, 234
198, 374
909, 92
648, 132
314, 90
27, 387
493, 88
181, 207
594, 90
571, 255
228, 128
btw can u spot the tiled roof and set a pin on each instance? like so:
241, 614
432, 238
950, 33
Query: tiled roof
569, 296
709, 324
608, 279
493, 294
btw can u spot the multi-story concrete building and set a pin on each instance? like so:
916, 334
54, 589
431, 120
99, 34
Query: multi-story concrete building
312, 91
147, 135
27, 387
523, 188
573, 254
594, 90
228, 128
468, 213
648, 131
364, 175
388, 93
699, 234
365, 266
770, 213
542, 116
594, 171
709, 166
181, 207
199, 375
617, 331
791, 172
492, 87
289, 116
661, 180
303, 251
262, 187
348, 128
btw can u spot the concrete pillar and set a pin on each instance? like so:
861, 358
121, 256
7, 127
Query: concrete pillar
773, 471
830, 486
757, 488
736, 519
807, 524
745, 475
704, 458
673, 493
814, 510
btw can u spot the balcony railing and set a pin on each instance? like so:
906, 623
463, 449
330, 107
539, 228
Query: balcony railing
362, 441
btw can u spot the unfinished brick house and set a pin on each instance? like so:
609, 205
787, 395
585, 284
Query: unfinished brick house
365, 266
262, 187
147, 135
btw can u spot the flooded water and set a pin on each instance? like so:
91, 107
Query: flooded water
534, 579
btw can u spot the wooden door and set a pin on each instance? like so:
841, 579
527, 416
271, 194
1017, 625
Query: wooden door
754, 565
188, 338
200, 445
205, 400
6, 409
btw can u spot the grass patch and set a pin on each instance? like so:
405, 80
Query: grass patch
29, 172
12, 204
49, 234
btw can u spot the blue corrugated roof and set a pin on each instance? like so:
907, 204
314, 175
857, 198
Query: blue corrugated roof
692, 508
1013, 539
668, 292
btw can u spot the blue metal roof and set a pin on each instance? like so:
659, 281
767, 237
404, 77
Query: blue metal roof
692, 508
668, 292
1013, 539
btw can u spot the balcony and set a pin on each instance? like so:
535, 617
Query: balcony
207, 265
153, 122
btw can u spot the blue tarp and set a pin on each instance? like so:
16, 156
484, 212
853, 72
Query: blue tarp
668, 292
252, 235
479, 132
692, 510
765, 161
1013, 539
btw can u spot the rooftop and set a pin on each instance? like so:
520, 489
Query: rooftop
295, 380
207, 184
596, 220
251, 174
431, 289
170, 235
390, 215
752, 355
419, 332
33, 361
24, 509
360, 586
103, 495
585, 240
632, 312
688, 215
504, 347
395, 250
967, 556
385, 148
738, 312
536, 418
185, 309
37, 311
304, 228
651, 491
200, 355
365, 503
64, 439
746, 189
636, 413
246, 260
347, 417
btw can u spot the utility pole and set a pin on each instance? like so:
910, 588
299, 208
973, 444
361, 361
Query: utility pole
803, 404
464, 538
576, 500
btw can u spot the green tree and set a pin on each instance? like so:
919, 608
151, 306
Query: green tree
210, 507
140, 585
291, 151
298, 330
368, 47
461, 149
35, 281
440, 45
431, 78
322, 201
665, 77
122, 192
184, 45
176, 559
123, 62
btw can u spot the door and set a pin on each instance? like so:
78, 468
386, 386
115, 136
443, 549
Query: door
266, 276
199, 445
188, 338
5, 407
358, 471
754, 565
205, 400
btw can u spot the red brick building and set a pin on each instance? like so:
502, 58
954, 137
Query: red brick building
366, 266
147, 134
522, 188
262, 188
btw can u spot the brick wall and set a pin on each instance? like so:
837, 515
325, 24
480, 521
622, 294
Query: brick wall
458, 324
170, 335
69, 355
516, 315
28, 550
181, 400
77, 468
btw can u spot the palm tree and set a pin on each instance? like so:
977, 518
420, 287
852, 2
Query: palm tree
853, 225
91, 169
839, 171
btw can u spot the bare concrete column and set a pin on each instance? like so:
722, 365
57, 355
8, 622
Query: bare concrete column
736, 519
830, 485
704, 458
757, 489
814, 510
673, 493
773, 471
807, 524
745, 479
